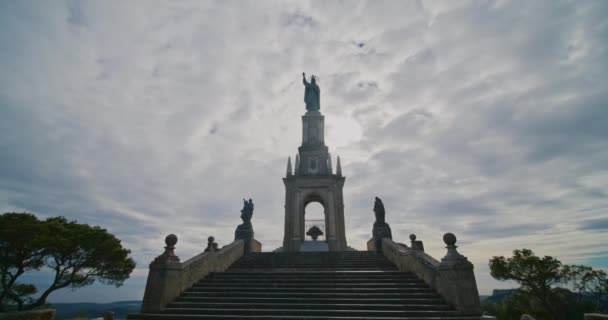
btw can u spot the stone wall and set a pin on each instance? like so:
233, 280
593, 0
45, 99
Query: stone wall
168, 277
40, 314
256, 246
204, 263
452, 277
408, 260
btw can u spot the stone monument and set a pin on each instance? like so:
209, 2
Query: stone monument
313, 180
381, 228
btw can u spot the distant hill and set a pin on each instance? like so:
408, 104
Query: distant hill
95, 310
499, 294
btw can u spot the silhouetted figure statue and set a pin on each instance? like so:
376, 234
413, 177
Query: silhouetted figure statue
245, 230
312, 93
314, 232
381, 228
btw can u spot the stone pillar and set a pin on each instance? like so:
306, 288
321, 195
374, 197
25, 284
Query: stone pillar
163, 284
456, 281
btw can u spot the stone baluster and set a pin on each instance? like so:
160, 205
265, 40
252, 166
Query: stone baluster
456, 280
163, 284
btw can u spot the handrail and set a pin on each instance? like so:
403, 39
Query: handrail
199, 266
168, 277
452, 277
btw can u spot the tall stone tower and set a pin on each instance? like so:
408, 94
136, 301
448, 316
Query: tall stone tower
313, 180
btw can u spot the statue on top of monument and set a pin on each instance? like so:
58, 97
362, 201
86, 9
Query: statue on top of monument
381, 229
247, 211
379, 211
244, 231
312, 93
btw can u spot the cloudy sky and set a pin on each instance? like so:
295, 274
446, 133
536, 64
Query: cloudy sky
487, 119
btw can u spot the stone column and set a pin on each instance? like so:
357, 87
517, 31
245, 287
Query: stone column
456, 281
163, 284
331, 235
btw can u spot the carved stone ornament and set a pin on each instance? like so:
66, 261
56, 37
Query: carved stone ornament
169, 255
314, 232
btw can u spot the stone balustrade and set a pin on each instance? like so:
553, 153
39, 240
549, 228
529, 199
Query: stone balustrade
452, 277
168, 277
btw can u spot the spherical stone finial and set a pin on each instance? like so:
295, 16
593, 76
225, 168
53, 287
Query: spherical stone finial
171, 240
413, 237
449, 239
211, 239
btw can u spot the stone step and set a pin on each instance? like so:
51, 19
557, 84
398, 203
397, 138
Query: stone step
161, 316
277, 274
311, 285
319, 284
306, 256
313, 300
296, 264
310, 280
309, 306
311, 312
287, 284
351, 295
374, 260
329, 282
311, 269
333, 260
308, 290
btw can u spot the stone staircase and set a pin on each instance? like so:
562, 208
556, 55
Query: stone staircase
310, 285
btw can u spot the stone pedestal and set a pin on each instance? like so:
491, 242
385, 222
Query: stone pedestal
244, 231
164, 279
455, 280
381, 231
255, 246
371, 245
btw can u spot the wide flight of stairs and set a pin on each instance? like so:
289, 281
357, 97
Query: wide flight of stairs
309, 285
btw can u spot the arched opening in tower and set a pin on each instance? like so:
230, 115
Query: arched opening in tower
314, 221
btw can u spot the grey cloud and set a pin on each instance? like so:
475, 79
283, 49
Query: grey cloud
299, 19
494, 229
482, 118
595, 225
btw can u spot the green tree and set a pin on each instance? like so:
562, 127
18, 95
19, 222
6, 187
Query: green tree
599, 288
537, 277
21, 250
581, 278
586, 279
77, 254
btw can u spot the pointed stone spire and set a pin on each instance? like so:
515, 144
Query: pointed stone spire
289, 170
338, 167
297, 164
329, 168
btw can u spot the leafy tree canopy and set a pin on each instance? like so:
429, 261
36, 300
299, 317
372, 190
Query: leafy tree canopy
77, 254
539, 278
